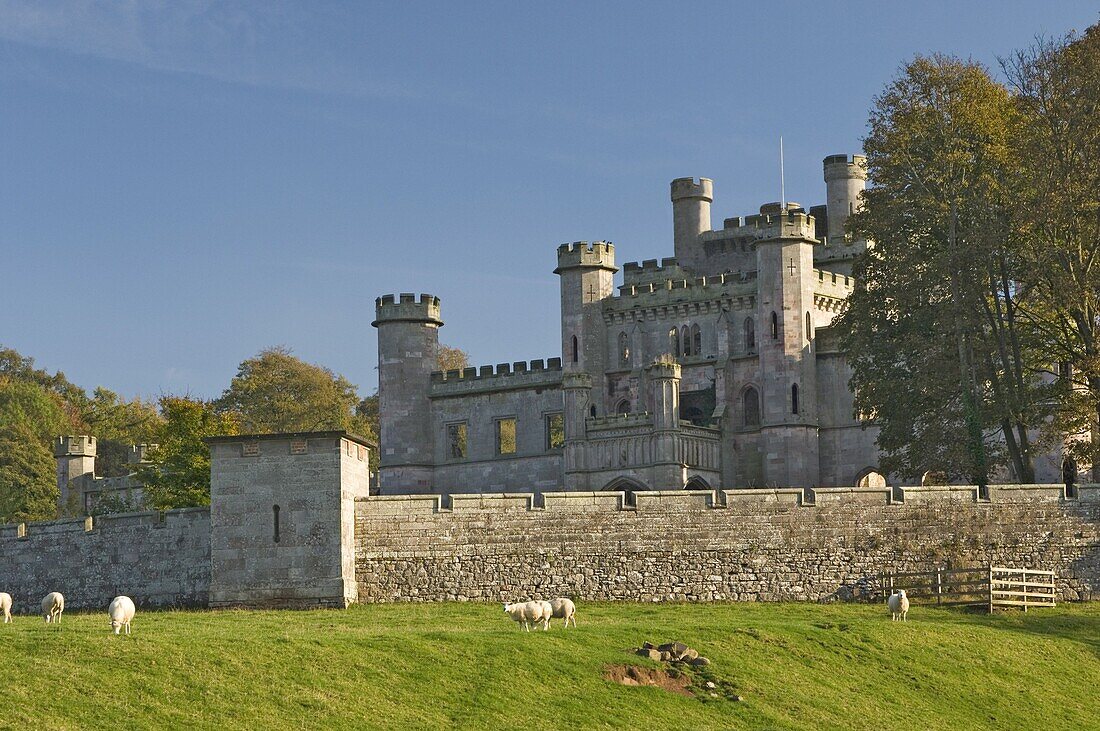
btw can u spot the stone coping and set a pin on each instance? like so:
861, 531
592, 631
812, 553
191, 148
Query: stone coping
336, 434
92, 523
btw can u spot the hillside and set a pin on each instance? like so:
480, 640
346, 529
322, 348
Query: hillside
466, 665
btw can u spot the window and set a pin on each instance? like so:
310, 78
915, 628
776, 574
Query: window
674, 342
575, 349
685, 341
624, 350
750, 334
775, 326
592, 410
623, 407
750, 402
275, 511
809, 328
506, 436
456, 441
794, 398
555, 431
696, 340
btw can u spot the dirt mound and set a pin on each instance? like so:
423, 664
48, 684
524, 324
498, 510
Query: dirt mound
672, 681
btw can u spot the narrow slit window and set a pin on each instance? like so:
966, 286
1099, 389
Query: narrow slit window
575, 349
794, 398
775, 326
809, 327
275, 519
750, 334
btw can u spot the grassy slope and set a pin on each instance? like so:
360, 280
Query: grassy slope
413, 666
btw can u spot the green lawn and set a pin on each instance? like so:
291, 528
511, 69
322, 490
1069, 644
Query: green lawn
465, 665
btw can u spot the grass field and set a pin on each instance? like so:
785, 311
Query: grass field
466, 665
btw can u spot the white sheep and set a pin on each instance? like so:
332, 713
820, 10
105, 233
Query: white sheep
563, 608
5, 606
899, 605
53, 604
527, 613
121, 611
547, 613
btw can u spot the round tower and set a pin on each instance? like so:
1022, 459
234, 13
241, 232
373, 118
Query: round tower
845, 179
667, 472
587, 272
576, 387
408, 345
691, 201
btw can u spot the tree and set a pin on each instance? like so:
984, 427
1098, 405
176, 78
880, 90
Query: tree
1057, 189
28, 476
178, 472
931, 328
277, 392
452, 359
117, 424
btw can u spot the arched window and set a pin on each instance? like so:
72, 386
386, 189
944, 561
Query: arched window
775, 326
750, 401
685, 340
575, 349
623, 407
592, 410
750, 334
624, 350
674, 341
794, 398
809, 328
696, 340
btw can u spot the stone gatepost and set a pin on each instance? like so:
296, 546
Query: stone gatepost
282, 518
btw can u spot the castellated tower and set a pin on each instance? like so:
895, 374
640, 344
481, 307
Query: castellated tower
845, 179
691, 201
75, 461
664, 380
788, 370
408, 344
587, 274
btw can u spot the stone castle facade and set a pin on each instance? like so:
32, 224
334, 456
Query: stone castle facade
713, 369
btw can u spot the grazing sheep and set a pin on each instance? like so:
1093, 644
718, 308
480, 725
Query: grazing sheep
547, 613
899, 605
53, 604
526, 613
563, 608
121, 611
5, 606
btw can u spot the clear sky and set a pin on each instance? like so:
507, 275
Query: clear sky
185, 183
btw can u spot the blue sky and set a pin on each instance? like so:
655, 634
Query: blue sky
185, 183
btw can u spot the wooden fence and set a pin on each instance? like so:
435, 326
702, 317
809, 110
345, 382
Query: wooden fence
985, 586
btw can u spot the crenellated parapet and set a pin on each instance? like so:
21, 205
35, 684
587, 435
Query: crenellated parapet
538, 373
407, 308
774, 221
636, 273
586, 255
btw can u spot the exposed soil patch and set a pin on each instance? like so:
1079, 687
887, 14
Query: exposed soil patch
671, 680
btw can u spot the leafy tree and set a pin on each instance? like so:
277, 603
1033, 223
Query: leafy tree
931, 329
28, 476
178, 472
1057, 193
117, 424
450, 359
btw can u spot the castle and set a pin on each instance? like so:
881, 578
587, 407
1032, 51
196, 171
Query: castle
713, 369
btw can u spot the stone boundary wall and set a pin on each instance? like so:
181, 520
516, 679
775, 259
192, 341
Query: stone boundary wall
157, 559
763, 544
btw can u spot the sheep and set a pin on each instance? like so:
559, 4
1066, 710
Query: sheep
526, 613
563, 608
5, 606
899, 605
53, 604
121, 611
547, 613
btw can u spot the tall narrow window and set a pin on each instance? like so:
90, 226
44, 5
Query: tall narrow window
750, 403
575, 349
674, 342
809, 328
506, 436
624, 350
555, 431
775, 326
275, 518
750, 333
685, 340
456, 441
696, 340
592, 410
794, 398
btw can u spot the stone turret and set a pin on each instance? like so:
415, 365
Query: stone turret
691, 201
408, 345
845, 179
75, 457
576, 389
587, 272
663, 376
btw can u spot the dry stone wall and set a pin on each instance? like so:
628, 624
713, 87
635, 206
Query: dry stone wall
767, 545
158, 559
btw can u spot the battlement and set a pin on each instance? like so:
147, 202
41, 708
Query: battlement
774, 221
670, 291
845, 166
80, 445
521, 374
619, 421
582, 254
139, 453
664, 367
692, 188
406, 308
